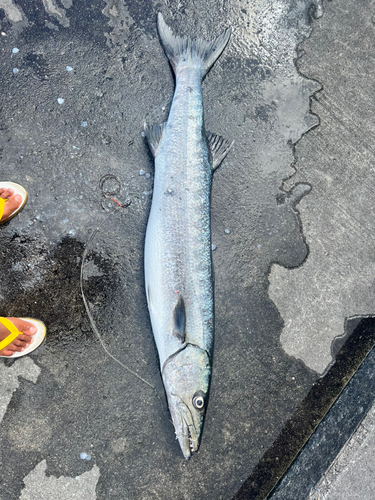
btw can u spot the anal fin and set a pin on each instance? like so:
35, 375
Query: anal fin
154, 135
219, 148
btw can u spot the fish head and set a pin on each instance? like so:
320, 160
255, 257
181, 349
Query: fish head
186, 379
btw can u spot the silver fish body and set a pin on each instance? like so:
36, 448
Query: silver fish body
178, 268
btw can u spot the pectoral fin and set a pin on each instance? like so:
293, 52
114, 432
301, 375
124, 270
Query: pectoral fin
179, 319
219, 148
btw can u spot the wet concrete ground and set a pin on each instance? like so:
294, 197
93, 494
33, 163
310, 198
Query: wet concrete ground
337, 462
300, 228
352, 473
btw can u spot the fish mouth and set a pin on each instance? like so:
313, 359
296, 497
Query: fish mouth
186, 432
188, 444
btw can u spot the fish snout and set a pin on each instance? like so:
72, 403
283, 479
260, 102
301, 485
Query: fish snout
185, 428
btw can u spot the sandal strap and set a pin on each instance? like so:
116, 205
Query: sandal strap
2, 206
13, 333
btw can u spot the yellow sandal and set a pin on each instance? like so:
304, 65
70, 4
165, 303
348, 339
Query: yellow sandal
17, 190
38, 337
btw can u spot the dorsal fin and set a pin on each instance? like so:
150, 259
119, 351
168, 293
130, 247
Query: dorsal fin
154, 134
179, 319
219, 148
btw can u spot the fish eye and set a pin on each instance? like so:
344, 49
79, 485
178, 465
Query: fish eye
198, 402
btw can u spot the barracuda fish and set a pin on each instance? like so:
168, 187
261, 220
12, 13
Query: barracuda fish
178, 268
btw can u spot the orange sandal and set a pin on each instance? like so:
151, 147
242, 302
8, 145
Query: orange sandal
38, 337
17, 190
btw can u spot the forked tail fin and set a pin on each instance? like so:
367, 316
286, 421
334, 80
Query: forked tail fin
182, 49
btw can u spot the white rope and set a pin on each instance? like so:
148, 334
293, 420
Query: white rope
88, 308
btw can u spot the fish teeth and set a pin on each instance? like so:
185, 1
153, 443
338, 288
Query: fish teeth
190, 441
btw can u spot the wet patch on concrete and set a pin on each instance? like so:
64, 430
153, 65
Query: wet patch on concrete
299, 428
43, 284
61, 131
351, 473
336, 281
337, 426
